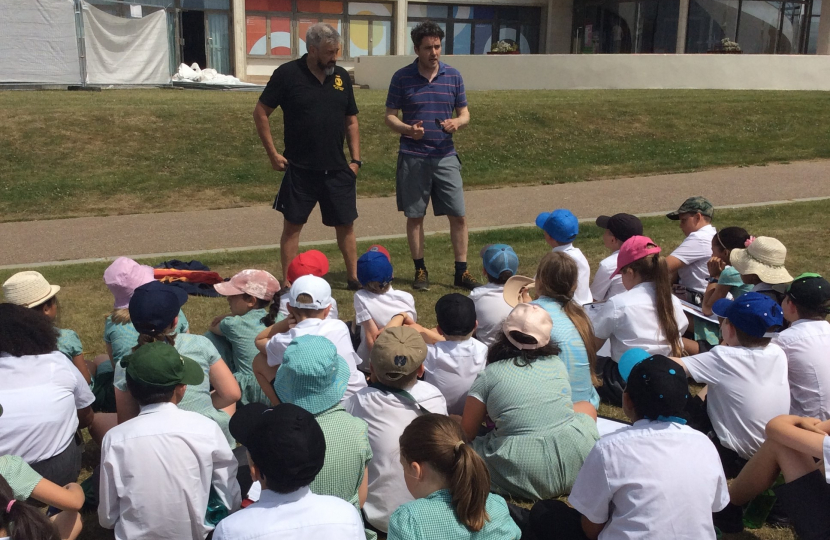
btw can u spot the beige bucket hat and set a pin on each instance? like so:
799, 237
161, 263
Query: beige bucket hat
765, 257
28, 289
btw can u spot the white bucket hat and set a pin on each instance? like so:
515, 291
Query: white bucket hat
765, 257
28, 289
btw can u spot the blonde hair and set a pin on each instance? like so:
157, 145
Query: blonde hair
377, 287
120, 316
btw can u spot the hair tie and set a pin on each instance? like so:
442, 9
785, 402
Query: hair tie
458, 445
9, 506
749, 241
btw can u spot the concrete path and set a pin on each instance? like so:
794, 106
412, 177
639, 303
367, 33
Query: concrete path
25, 244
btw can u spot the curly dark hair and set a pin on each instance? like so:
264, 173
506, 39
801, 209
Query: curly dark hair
502, 349
26, 332
425, 29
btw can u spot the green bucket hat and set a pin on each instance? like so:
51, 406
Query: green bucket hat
693, 205
312, 375
159, 364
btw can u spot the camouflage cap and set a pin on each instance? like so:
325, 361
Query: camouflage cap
693, 205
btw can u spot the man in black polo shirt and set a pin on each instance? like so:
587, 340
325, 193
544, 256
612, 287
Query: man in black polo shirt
319, 111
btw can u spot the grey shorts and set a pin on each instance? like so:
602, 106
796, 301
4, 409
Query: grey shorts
420, 178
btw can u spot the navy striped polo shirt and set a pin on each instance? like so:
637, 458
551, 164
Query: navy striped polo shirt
419, 99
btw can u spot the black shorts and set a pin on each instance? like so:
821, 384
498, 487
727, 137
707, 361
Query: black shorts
806, 502
697, 415
302, 189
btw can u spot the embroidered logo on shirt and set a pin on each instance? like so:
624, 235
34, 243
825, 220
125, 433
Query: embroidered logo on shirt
338, 83
400, 361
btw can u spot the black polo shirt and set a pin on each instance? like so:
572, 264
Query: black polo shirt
314, 114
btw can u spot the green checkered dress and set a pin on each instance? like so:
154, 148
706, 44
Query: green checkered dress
19, 476
539, 443
433, 517
69, 343
347, 454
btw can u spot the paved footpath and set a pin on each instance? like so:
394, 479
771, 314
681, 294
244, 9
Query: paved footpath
189, 233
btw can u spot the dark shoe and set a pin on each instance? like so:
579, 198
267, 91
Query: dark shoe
467, 281
353, 285
730, 520
421, 282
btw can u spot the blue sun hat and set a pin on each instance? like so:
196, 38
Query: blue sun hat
312, 375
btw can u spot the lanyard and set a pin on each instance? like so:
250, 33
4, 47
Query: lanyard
399, 392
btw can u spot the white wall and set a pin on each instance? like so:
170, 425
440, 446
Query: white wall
583, 71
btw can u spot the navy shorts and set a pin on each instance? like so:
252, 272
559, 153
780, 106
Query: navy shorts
302, 189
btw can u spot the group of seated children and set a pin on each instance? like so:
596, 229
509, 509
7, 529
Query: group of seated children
317, 428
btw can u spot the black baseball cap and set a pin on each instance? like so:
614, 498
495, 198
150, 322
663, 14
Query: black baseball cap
622, 226
154, 306
658, 388
456, 314
285, 441
810, 291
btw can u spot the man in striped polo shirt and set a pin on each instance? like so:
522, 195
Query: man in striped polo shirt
427, 92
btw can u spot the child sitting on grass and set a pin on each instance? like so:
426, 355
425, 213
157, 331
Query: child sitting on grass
655, 479
500, 263
746, 379
560, 228
21, 521
307, 263
761, 264
377, 302
249, 294
618, 228
451, 487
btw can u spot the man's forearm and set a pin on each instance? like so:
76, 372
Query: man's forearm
353, 139
396, 125
263, 129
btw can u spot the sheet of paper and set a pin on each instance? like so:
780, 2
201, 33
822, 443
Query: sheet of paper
695, 311
607, 426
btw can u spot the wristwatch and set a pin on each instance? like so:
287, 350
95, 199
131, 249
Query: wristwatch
712, 280
357, 162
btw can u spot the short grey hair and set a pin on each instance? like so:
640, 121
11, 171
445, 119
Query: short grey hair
321, 33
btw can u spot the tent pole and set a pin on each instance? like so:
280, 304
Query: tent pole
79, 31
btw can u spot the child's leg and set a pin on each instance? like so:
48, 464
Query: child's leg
762, 470
102, 423
68, 523
265, 375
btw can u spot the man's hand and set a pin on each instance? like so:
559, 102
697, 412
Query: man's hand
279, 163
451, 126
417, 130
354, 167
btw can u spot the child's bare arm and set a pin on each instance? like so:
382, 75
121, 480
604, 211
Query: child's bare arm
805, 435
474, 413
69, 497
370, 332
265, 375
277, 328
591, 529
214, 324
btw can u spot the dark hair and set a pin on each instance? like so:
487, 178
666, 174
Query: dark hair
425, 29
810, 313
47, 304
147, 394
732, 238
273, 309
502, 349
502, 279
653, 268
402, 383
438, 440
25, 331
23, 521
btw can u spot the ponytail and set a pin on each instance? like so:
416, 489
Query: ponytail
22, 521
439, 441
144, 339
655, 269
273, 309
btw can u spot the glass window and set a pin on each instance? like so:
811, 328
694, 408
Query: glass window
462, 12
255, 34
319, 6
710, 21
427, 11
281, 36
358, 38
483, 38
381, 38
367, 8
812, 43
529, 39
758, 29
268, 5
206, 4
462, 38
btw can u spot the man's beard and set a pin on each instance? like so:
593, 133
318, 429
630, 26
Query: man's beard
327, 69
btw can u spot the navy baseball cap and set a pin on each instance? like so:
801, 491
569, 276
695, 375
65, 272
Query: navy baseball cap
456, 314
752, 313
560, 224
498, 258
154, 306
374, 266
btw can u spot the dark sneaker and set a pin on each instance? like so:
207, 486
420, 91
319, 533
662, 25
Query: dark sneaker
421, 281
353, 285
467, 281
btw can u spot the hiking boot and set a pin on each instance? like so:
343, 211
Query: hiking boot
353, 285
466, 280
421, 281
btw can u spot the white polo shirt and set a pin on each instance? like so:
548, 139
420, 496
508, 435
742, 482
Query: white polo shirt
333, 314
653, 480
40, 396
604, 286
747, 388
388, 415
695, 251
629, 320
380, 308
582, 295
335, 331
491, 310
452, 366
299, 515
807, 346
157, 471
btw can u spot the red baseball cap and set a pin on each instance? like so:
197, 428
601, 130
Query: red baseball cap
634, 249
380, 249
311, 262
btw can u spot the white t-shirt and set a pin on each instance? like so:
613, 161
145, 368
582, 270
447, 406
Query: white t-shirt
333, 314
695, 251
335, 331
40, 396
388, 415
807, 346
380, 308
582, 295
452, 366
747, 388
629, 320
491, 310
604, 286
653, 480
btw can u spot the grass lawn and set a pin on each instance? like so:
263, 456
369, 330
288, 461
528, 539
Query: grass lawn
120, 152
85, 301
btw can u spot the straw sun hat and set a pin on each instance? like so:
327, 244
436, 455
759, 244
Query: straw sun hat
28, 289
764, 256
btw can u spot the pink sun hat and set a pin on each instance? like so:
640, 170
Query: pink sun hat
258, 283
634, 249
123, 277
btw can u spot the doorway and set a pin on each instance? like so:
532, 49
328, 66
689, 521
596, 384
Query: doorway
193, 36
